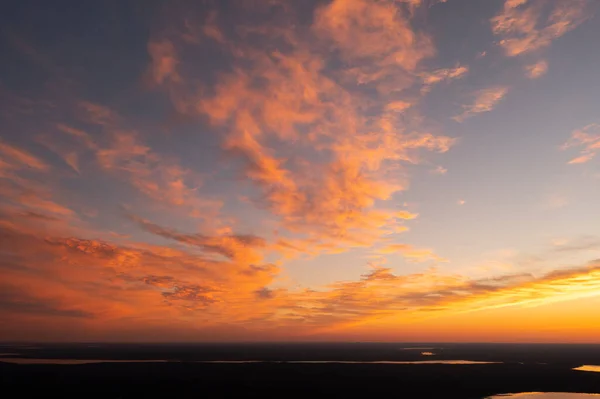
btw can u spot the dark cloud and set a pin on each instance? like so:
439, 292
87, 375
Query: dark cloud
254, 270
227, 245
159, 281
264, 293
573, 271
89, 247
487, 284
380, 274
194, 292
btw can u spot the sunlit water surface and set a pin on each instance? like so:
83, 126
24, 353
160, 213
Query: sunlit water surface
594, 369
352, 361
545, 395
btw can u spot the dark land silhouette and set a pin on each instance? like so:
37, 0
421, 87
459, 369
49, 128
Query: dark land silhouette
523, 368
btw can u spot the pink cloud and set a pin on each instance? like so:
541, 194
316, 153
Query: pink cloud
484, 101
589, 138
534, 71
164, 61
528, 25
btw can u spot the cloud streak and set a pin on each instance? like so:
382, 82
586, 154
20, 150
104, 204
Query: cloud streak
587, 138
484, 101
15, 158
237, 247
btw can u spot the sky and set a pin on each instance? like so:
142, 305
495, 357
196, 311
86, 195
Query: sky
272, 170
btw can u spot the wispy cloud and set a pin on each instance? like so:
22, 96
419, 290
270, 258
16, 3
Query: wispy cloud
164, 61
584, 243
16, 158
23, 184
587, 138
439, 170
484, 101
536, 70
442, 75
122, 151
242, 248
528, 25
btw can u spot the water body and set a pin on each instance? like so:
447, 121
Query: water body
425, 351
593, 369
455, 362
415, 348
546, 395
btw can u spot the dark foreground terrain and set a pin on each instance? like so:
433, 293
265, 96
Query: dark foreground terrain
197, 380
526, 369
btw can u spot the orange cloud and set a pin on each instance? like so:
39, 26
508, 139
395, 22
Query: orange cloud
298, 106
365, 30
398, 106
164, 61
15, 158
589, 138
536, 70
23, 178
129, 282
528, 25
442, 75
485, 100
375, 40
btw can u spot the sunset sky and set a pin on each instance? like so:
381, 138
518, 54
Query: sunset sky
364, 170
